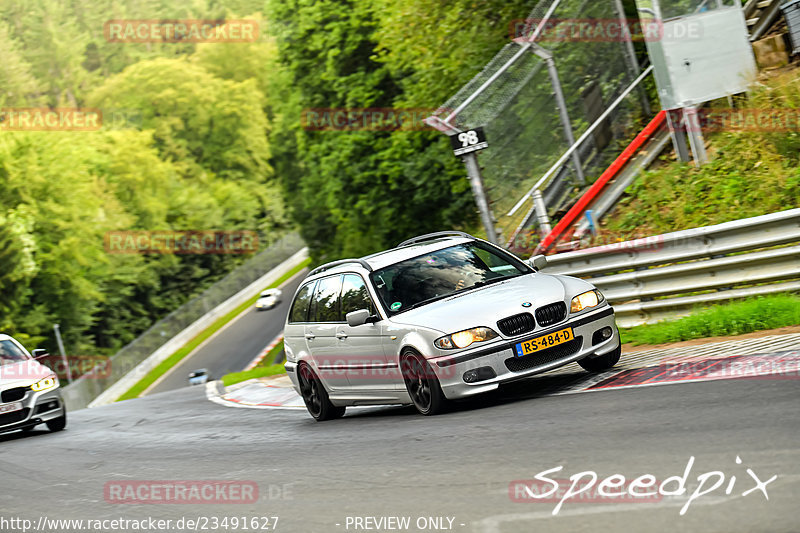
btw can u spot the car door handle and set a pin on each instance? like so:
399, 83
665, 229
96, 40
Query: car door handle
341, 335
310, 336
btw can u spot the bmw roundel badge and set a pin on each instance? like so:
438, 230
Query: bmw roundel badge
526, 304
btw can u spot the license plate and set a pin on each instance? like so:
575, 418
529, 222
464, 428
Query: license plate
545, 341
10, 408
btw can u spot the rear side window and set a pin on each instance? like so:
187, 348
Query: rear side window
355, 295
299, 312
325, 306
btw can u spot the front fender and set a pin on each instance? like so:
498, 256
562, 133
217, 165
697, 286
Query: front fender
421, 342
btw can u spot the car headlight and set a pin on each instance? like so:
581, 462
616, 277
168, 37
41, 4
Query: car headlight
586, 300
44, 384
462, 339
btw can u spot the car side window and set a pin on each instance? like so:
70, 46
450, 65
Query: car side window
355, 295
325, 306
299, 312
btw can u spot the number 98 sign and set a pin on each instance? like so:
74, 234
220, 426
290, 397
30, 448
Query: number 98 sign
468, 141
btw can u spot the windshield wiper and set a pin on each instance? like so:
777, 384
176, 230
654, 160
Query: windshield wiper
428, 301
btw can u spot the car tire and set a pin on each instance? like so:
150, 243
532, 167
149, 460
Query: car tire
57, 424
604, 362
315, 396
422, 384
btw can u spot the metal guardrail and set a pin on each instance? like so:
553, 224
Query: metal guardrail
666, 275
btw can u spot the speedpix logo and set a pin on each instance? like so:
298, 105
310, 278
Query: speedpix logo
586, 487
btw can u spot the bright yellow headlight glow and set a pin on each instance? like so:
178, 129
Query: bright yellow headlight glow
584, 301
43, 384
462, 339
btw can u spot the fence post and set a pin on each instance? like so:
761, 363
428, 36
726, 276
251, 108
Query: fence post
561, 103
478, 191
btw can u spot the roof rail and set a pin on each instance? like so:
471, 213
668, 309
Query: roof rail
431, 236
328, 266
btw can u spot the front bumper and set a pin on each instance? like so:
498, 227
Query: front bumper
450, 369
37, 408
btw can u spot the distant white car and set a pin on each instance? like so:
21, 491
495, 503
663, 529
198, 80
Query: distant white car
268, 299
199, 377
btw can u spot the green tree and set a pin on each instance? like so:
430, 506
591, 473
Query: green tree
354, 192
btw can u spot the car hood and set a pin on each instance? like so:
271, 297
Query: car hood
486, 305
22, 374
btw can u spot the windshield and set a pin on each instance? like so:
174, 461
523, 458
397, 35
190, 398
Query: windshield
427, 278
10, 353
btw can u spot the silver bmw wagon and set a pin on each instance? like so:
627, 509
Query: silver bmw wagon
440, 317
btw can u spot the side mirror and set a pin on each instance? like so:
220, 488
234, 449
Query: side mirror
39, 352
357, 318
538, 262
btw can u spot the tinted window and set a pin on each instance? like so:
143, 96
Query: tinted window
10, 353
325, 307
427, 278
299, 312
355, 295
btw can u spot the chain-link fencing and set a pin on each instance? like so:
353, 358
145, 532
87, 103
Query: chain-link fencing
593, 62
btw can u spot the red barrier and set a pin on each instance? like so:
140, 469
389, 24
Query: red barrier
573, 214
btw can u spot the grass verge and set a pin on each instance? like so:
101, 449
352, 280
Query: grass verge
257, 372
736, 318
262, 369
176, 357
750, 173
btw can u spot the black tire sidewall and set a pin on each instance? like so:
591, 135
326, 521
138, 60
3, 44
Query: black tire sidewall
327, 410
604, 362
438, 402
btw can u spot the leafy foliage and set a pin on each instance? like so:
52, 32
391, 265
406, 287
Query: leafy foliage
361, 191
196, 158
750, 173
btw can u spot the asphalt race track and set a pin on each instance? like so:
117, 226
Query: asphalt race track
236, 345
392, 462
